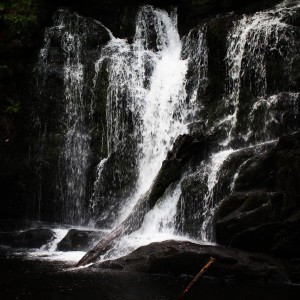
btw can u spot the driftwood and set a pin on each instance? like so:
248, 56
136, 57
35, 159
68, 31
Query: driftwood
185, 148
197, 277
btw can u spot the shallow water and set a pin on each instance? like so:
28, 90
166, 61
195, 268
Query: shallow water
35, 279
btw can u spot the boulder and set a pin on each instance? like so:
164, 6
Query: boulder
178, 257
79, 240
33, 238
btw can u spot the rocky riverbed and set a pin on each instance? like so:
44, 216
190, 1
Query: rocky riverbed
156, 271
23, 278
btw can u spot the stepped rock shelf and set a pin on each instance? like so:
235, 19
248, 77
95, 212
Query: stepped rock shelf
150, 137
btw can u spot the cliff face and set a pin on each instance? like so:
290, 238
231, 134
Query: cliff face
95, 94
22, 106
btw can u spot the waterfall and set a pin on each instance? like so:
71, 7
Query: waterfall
249, 42
159, 224
74, 158
213, 169
122, 107
65, 123
151, 75
195, 50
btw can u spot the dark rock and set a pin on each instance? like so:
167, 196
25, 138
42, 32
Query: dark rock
198, 126
190, 208
194, 188
217, 32
258, 238
33, 238
79, 240
176, 257
50, 112
241, 211
117, 183
287, 241
186, 148
190, 12
263, 212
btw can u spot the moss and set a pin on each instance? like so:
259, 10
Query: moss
20, 21
13, 108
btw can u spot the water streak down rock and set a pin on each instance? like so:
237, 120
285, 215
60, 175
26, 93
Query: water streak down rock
186, 148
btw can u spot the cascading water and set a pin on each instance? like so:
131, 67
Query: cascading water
209, 202
63, 79
195, 50
152, 89
151, 75
250, 41
74, 158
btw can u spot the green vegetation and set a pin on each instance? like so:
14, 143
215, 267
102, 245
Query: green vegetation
13, 108
19, 27
19, 18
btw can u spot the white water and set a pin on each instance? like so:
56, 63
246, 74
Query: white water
159, 103
159, 225
49, 252
209, 203
248, 43
97, 182
195, 50
163, 111
77, 139
74, 133
152, 77
148, 83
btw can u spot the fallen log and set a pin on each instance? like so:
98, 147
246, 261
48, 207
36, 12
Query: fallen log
197, 277
185, 148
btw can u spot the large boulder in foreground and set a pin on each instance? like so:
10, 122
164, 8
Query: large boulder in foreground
79, 240
263, 212
182, 257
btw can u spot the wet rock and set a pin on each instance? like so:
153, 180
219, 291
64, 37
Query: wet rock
190, 216
190, 210
79, 240
33, 238
186, 148
241, 211
177, 257
198, 126
116, 184
295, 70
262, 214
282, 239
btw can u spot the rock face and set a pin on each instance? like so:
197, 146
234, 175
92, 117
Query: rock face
263, 212
175, 257
79, 240
33, 238
76, 47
